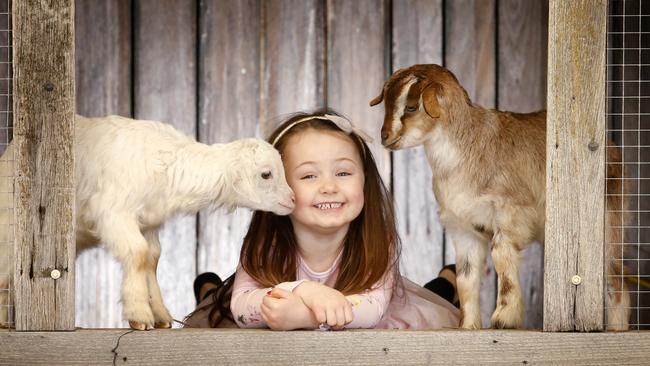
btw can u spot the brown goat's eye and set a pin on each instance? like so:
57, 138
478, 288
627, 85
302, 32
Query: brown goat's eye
411, 109
266, 175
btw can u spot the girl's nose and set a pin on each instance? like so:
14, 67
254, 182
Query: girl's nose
328, 187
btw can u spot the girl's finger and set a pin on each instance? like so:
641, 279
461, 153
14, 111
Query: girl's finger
349, 316
331, 317
265, 310
340, 317
320, 315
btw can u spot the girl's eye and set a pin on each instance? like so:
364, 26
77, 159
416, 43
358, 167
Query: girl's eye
411, 109
343, 174
308, 176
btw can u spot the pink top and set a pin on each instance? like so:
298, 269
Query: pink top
367, 307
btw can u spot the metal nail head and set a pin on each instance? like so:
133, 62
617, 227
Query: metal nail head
576, 280
55, 274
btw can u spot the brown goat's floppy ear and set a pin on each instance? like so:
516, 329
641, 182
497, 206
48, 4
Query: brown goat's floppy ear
430, 100
378, 99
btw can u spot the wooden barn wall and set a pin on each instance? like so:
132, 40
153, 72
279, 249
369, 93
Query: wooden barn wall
221, 70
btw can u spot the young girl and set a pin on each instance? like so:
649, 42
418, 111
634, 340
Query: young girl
332, 263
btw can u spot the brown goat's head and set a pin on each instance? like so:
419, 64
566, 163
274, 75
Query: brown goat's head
416, 100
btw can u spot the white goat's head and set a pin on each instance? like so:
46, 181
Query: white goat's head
416, 100
257, 177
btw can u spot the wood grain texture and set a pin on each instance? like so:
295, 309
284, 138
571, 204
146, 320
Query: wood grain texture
103, 84
165, 87
521, 70
229, 80
575, 205
44, 200
470, 53
357, 66
417, 39
293, 60
365, 347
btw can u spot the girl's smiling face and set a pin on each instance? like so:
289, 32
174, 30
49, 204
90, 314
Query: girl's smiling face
325, 171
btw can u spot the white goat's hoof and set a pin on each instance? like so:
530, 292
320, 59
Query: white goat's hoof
162, 317
507, 317
470, 324
139, 326
140, 317
162, 325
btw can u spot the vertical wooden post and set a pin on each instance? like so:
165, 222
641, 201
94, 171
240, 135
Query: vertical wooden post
575, 169
43, 136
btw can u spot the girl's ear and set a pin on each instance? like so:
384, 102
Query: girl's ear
430, 100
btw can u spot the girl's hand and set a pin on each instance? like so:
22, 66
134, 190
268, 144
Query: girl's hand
328, 305
284, 310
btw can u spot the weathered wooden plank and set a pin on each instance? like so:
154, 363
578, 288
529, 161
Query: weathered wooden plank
417, 39
522, 47
574, 200
293, 71
234, 347
103, 83
357, 67
228, 109
165, 90
44, 185
470, 53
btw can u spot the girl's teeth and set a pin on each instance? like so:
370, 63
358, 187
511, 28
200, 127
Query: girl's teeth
327, 206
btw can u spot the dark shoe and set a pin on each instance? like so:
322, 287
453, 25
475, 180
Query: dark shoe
442, 287
202, 279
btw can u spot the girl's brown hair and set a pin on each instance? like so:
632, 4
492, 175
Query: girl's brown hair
371, 247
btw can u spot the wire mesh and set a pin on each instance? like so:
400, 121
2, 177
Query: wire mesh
6, 167
628, 118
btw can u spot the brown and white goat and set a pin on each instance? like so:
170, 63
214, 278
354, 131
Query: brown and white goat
131, 176
489, 178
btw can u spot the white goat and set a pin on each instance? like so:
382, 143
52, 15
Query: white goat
131, 176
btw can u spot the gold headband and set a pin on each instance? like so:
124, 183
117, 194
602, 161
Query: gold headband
343, 123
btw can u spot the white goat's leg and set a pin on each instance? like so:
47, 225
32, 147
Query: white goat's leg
124, 240
163, 318
510, 307
470, 262
6, 265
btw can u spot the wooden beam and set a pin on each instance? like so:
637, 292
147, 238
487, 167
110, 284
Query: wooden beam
417, 34
470, 53
103, 56
44, 110
166, 91
575, 169
522, 45
229, 94
363, 347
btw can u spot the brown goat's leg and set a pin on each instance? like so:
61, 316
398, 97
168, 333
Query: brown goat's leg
470, 262
617, 299
510, 307
160, 313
